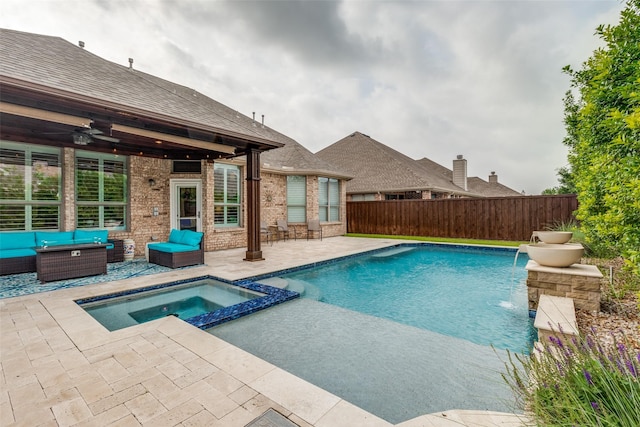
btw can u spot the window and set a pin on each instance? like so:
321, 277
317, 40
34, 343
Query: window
101, 190
296, 198
328, 199
226, 195
30, 187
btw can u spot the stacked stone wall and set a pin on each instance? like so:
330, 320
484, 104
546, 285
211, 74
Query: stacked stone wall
570, 282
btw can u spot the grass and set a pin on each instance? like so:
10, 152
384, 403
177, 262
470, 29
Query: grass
442, 240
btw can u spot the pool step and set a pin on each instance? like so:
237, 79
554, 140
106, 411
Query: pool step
276, 282
391, 252
305, 289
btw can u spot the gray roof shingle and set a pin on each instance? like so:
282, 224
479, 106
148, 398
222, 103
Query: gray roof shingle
379, 168
475, 185
52, 62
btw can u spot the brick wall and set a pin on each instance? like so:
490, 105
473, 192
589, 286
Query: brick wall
145, 227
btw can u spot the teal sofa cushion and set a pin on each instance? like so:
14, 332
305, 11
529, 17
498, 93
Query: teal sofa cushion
191, 238
172, 247
54, 237
175, 236
90, 236
16, 253
17, 240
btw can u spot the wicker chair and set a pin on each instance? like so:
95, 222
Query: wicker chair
177, 259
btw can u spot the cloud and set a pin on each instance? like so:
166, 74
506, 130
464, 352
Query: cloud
428, 78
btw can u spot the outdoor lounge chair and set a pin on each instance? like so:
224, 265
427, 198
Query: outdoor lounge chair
313, 226
184, 247
265, 231
284, 230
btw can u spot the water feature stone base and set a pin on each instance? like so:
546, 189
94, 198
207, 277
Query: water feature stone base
579, 281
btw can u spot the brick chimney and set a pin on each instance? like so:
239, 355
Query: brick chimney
493, 178
460, 172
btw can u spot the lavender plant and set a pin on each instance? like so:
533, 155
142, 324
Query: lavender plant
580, 383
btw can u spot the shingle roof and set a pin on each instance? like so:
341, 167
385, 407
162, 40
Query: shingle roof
475, 185
293, 158
51, 62
490, 189
379, 168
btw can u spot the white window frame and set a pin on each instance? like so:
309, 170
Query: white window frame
27, 203
296, 198
102, 221
328, 199
225, 204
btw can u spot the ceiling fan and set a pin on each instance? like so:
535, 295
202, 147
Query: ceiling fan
84, 136
87, 135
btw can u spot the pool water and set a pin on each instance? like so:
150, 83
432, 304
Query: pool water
413, 330
185, 309
189, 300
472, 294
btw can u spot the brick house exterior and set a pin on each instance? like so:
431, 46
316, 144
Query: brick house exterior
74, 115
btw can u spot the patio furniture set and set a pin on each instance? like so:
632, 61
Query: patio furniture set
281, 230
63, 255
57, 255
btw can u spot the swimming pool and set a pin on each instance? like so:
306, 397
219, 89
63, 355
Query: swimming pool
464, 292
372, 356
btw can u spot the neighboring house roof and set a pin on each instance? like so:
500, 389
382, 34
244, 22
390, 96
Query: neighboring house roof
475, 185
379, 168
53, 65
293, 158
490, 189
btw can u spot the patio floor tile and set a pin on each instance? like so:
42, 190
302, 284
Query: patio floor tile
60, 367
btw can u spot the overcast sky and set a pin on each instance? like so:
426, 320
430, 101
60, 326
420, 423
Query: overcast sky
428, 78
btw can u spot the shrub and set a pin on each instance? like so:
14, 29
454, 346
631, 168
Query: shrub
581, 383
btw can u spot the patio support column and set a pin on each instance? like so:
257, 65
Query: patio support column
254, 253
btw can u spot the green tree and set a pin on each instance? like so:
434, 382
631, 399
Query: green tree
603, 136
565, 178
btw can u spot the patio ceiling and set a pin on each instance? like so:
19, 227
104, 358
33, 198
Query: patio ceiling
44, 116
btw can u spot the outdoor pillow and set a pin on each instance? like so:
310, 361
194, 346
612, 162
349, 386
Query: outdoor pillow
172, 247
191, 238
18, 240
17, 253
54, 236
175, 236
88, 236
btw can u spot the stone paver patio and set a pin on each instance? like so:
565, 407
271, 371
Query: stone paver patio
59, 367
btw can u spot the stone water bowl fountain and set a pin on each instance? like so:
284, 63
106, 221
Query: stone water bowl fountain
553, 249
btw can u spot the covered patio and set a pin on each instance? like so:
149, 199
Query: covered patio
60, 367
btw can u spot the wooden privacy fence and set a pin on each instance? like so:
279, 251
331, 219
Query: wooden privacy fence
496, 218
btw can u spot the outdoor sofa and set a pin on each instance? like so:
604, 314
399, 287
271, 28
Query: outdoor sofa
183, 248
18, 254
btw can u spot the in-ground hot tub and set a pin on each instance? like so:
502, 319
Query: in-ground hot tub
203, 302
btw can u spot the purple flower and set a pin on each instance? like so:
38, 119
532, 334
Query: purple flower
595, 406
621, 348
587, 376
631, 368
